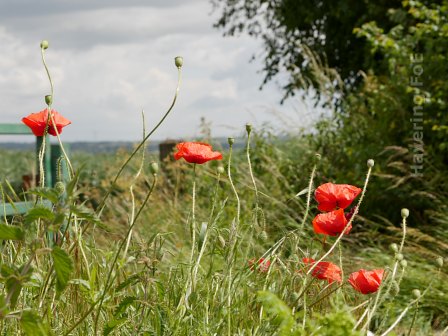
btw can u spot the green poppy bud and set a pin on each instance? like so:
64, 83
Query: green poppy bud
222, 241
399, 257
370, 163
416, 293
395, 289
179, 61
44, 44
154, 168
248, 128
59, 187
231, 141
263, 236
403, 263
404, 213
220, 170
393, 247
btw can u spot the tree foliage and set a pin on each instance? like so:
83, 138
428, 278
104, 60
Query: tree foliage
290, 29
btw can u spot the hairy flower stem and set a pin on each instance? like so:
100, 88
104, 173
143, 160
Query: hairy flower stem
235, 224
347, 225
252, 176
140, 145
114, 262
131, 188
193, 217
379, 299
69, 164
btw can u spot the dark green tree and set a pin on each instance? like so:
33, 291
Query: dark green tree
294, 30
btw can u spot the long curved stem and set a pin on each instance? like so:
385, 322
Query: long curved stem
140, 145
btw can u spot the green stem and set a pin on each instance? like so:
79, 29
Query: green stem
114, 262
140, 145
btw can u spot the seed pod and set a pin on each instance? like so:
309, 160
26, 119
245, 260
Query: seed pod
248, 128
404, 213
439, 261
370, 163
220, 170
403, 263
48, 100
179, 61
399, 257
44, 44
154, 168
416, 293
231, 141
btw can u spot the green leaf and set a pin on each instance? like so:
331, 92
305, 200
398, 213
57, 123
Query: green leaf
124, 304
63, 266
32, 324
39, 212
279, 312
10, 232
112, 324
46, 193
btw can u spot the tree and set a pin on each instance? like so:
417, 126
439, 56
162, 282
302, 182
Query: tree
294, 30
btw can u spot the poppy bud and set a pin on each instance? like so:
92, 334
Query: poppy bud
231, 141
393, 247
44, 44
416, 293
395, 289
439, 261
222, 241
154, 168
248, 128
318, 156
399, 257
404, 213
48, 100
403, 263
179, 61
59, 187
370, 163
220, 170
294, 296
263, 236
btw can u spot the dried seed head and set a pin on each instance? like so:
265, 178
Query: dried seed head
439, 261
370, 163
179, 61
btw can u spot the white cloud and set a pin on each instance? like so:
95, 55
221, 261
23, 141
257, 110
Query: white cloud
110, 62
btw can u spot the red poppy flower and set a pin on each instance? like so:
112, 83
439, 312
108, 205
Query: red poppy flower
331, 223
38, 121
196, 152
263, 265
331, 196
325, 270
366, 282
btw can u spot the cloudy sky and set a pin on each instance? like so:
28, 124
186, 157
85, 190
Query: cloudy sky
110, 59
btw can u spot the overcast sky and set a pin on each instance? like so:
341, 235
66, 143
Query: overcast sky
110, 59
